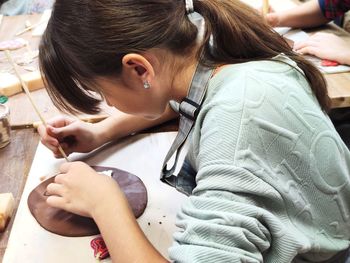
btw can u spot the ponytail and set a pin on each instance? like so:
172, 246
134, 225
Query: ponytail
236, 33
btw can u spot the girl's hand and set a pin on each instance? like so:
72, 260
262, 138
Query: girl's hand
72, 135
81, 190
326, 46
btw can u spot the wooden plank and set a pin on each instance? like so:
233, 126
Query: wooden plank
15, 162
339, 89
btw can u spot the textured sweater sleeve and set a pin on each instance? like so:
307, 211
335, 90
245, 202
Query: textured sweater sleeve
223, 221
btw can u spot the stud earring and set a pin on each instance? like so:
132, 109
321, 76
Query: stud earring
146, 85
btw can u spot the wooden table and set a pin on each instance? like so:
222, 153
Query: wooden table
16, 158
15, 163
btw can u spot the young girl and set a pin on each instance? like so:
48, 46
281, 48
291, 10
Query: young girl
271, 175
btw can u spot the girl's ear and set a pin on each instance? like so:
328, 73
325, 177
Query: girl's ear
137, 68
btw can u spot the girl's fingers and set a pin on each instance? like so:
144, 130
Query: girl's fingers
303, 44
56, 152
64, 168
55, 189
309, 50
49, 145
41, 130
59, 179
46, 139
320, 35
58, 155
60, 121
56, 201
64, 146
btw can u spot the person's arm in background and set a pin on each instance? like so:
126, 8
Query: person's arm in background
303, 16
326, 46
312, 14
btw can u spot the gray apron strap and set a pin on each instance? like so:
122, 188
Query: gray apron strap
189, 109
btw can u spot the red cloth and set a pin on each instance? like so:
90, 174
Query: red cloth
334, 8
100, 248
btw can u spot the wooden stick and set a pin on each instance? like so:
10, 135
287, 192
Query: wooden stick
24, 85
265, 7
29, 28
35, 125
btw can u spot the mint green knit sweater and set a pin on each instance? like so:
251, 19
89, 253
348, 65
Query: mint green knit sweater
273, 174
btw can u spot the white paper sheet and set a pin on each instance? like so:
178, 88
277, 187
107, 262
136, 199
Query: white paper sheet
282, 30
141, 155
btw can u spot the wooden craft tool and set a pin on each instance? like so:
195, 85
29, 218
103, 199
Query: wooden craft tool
29, 28
36, 124
265, 7
24, 85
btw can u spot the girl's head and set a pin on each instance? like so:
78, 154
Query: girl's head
114, 47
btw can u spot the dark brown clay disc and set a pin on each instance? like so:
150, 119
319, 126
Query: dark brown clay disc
67, 224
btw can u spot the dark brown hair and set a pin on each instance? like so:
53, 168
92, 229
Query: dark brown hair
88, 38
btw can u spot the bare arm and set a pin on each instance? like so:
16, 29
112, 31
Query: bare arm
85, 137
304, 16
122, 124
80, 190
125, 240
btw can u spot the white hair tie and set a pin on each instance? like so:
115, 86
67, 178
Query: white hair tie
189, 6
